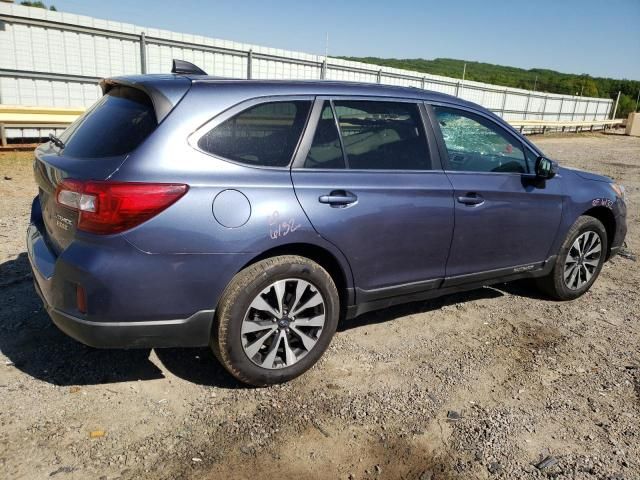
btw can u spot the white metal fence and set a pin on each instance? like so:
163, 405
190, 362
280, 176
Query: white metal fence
55, 59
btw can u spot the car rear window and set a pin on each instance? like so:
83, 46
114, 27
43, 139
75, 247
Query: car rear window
262, 135
115, 125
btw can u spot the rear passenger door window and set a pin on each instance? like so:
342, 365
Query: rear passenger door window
262, 135
369, 135
382, 135
476, 144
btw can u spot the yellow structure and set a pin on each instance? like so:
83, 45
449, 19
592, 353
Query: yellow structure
14, 114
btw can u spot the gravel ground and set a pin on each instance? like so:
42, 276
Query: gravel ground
485, 384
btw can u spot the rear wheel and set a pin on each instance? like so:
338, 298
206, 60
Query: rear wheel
579, 261
275, 319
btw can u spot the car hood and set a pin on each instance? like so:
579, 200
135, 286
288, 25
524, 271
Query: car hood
588, 175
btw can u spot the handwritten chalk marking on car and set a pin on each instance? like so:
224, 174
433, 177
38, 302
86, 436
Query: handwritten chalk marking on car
604, 202
278, 229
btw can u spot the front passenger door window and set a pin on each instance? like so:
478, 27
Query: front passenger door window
476, 144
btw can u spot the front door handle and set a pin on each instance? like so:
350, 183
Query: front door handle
338, 198
471, 199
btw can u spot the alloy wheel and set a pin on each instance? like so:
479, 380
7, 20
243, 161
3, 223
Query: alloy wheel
283, 323
582, 260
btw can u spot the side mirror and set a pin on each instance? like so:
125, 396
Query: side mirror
545, 168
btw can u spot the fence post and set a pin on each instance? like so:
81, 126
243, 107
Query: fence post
560, 111
504, 103
249, 64
424, 82
615, 109
379, 76
3, 135
526, 108
544, 108
323, 69
143, 53
575, 106
458, 89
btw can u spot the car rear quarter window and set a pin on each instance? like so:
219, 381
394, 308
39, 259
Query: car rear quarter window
115, 125
476, 144
263, 135
381, 135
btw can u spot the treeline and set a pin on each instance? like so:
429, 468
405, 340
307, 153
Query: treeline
535, 78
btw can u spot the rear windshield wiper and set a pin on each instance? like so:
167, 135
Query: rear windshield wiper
56, 141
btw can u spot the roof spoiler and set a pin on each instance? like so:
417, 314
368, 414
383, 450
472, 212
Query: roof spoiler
182, 67
163, 94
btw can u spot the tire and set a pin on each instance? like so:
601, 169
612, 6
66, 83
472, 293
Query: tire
250, 302
578, 282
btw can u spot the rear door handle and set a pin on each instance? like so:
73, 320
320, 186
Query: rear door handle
471, 199
338, 198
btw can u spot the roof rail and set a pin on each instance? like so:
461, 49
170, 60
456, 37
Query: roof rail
184, 67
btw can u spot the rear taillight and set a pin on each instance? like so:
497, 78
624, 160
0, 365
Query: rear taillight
112, 207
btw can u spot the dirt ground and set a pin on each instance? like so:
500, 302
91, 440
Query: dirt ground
477, 385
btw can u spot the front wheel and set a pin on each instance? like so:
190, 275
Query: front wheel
579, 261
275, 319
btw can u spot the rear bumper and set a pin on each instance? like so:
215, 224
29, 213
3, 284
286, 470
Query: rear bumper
189, 332
123, 327
193, 331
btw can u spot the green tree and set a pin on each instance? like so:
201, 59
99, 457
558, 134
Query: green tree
589, 88
626, 105
38, 5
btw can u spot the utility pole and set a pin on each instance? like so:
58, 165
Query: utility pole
323, 67
464, 71
326, 46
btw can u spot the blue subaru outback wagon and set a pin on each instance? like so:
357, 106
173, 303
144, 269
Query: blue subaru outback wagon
183, 211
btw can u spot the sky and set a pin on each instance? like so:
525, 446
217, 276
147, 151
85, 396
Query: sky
600, 38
